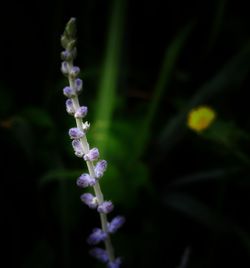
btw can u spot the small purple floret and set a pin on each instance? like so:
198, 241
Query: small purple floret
74, 71
85, 180
78, 84
96, 237
69, 92
100, 168
114, 264
89, 200
66, 55
64, 68
81, 112
78, 148
70, 107
115, 224
106, 207
92, 155
75, 133
100, 254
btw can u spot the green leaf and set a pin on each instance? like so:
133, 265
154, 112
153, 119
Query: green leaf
171, 57
204, 176
197, 211
105, 104
227, 133
217, 22
229, 136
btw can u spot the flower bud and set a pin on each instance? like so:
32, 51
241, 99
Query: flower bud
71, 44
75, 133
92, 155
64, 41
96, 237
115, 224
100, 168
70, 28
85, 180
70, 107
78, 85
74, 71
100, 254
69, 92
65, 68
115, 264
81, 112
67, 55
89, 200
78, 148
105, 207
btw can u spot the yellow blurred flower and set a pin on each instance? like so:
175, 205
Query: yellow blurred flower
200, 118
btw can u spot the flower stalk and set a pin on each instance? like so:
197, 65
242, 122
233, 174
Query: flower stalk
90, 156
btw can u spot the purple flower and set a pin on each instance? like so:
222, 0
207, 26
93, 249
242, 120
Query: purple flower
81, 112
97, 236
115, 224
78, 148
92, 155
114, 264
85, 180
70, 107
74, 71
100, 254
66, 55
100, 168
64, 68
69, 92
105, 207
75, 133
78, 84
89, 200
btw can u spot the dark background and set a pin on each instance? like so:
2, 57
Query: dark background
150, 62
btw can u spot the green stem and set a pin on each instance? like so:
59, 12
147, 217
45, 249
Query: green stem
97, 188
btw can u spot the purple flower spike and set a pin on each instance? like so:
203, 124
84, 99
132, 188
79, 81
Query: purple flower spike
74, 71
65, 68
78, 148
115, 264
96, 237
70, 107
69, 92
78, 84
100, 254
96, 167
85, 180
81, 112
100, 168
75, 133
92, 155
115, 224
89, 200
105, 207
